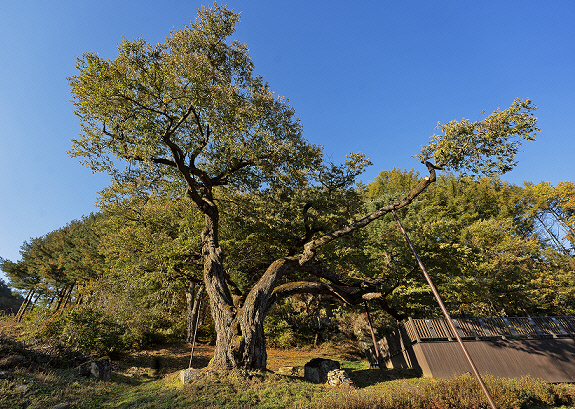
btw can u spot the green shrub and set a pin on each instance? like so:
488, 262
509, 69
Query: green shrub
286, 326
136, 338
88, 329
41, 323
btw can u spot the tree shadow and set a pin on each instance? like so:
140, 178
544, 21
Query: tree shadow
164, 359
363, 378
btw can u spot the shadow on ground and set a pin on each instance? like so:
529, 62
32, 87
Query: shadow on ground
163, 360
368, 377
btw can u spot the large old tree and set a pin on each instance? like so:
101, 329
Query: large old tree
189, 115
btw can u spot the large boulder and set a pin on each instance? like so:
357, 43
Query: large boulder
317, 369
100, 369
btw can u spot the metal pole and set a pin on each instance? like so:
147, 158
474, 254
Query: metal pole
375, 346
195, 331
446, 314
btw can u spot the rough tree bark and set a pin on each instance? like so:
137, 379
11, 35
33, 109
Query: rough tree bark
24, 305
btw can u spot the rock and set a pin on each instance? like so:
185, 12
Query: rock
65, 405
187, 375
317, 369
100, 370
339, 377
84, 369
290, 370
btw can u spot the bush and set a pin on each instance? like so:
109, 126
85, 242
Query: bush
41, 323
289, 325
88, 329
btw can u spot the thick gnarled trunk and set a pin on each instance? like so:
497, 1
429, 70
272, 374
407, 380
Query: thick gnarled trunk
251, 351
221, 303
240, 336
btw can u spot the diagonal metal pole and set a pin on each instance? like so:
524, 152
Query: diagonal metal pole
195, 332
375, 346
446, 314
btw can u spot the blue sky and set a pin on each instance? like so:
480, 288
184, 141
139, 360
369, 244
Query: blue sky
363, 76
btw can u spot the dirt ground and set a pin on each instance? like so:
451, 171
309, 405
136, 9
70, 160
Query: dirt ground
173, 357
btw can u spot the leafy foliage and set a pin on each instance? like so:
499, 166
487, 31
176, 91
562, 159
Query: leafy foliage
189, 117
91, 330
479, 241
485, 147
194, 96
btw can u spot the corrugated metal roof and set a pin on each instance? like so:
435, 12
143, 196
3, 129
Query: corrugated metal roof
436, 329
511, 347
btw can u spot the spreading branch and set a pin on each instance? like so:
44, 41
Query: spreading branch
311, 247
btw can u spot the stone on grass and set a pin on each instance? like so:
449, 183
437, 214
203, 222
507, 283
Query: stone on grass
339, 377
100, 369
22, 388
187, 375
317, 369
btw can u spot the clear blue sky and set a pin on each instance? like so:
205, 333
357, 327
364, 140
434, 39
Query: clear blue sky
363, 76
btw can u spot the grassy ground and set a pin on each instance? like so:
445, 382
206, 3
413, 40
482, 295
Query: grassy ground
44, 378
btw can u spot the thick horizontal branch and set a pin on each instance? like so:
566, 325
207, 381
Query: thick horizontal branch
347, 294
305, 287
311, 247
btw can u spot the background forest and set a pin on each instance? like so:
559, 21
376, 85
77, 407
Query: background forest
129, 276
